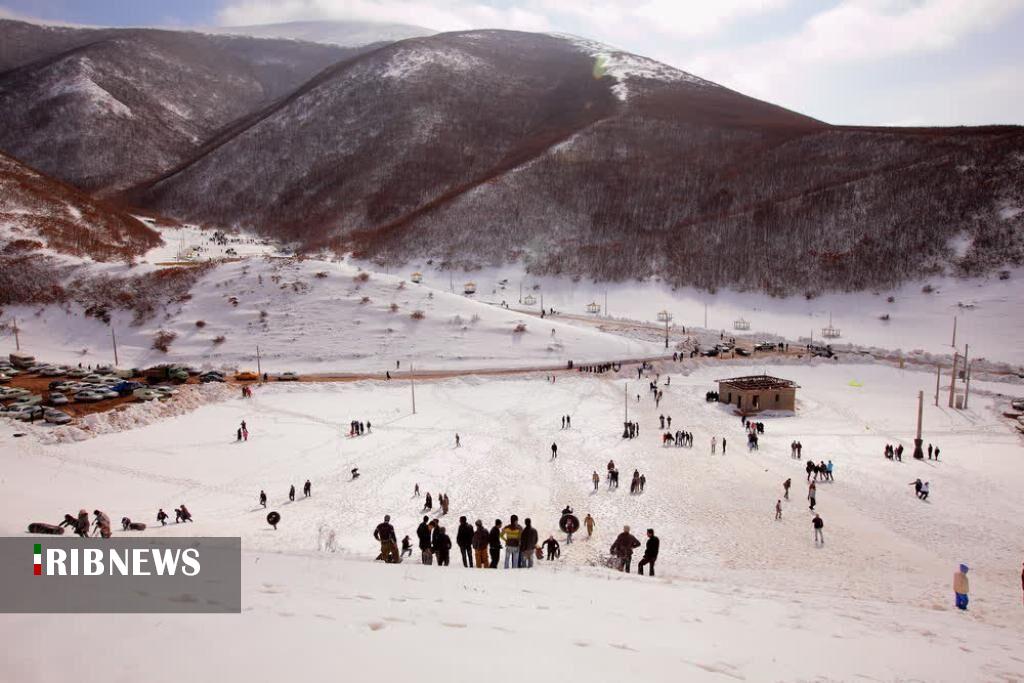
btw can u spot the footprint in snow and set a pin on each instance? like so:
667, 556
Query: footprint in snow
452, 625
376, 625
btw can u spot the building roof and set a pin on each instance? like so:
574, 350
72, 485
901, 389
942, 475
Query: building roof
758, 382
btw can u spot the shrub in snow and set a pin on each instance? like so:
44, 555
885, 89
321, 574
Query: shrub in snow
365, 300
418, 315
163, 339
928, 289
321, 274
393, 308
362, 277
200, 324
219, 340
519, 328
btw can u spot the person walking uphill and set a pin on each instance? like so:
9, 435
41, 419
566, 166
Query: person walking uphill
819, 525
442, 545
961, 587
528, 540
588, 522
650, 553
510, 534
479, 542
622, 549
464, 539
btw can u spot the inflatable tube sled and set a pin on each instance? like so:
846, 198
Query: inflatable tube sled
44, 528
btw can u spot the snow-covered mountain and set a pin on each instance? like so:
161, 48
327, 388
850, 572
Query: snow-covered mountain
343, 33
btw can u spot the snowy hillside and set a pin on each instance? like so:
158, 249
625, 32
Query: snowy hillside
317, 316
738, 593
344, 33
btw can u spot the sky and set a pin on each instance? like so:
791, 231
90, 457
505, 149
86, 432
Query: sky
857, 62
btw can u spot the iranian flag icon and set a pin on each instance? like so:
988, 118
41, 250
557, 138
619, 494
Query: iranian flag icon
37, 559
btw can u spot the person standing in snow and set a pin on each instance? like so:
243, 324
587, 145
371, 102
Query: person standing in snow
554, 451
785, 487
263, 498
307, 489
102, 523
714, 442
568, 420
723, 445
812, 492
563, 422
961, 587
596, 479
511, 534
423, 537
479, 541
291, 493
588, 522
552, 547
385, 534
819, 525
458, 441
428, 503
650, 553
464, 539
416, 491
528, 540
442, 546
494, 543
238, 436
778, 509
622, 549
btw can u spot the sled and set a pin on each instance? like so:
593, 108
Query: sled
273, 519
570, 524
136, 526
44, 528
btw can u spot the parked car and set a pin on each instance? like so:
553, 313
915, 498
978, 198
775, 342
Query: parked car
125, 388
764, 346
4, 379
56, 417
145, 394
166, 392
107, 392
88, 396
713, 351
246, 376
24, 413
288, 377
51, 372
742, 352
77, 373
58, 399
211, 377
9, 393
30, 400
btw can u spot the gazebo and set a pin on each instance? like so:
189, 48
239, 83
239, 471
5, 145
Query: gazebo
469, 288
593, 307
416, 277
529, 300
741, 324
664, 316
830, 332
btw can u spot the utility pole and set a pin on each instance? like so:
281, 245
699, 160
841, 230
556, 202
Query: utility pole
705, 315
17, 341
412, 388
966, 364
954, 332
606, 303
967, 385
938, 376
259, 368
952, 379
113, 340
918, 453
625, 400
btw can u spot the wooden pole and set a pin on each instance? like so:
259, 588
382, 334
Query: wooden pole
17, 341
967, 384
918, 452
259, 368
625, 399
412, 389
705, 315
952, 379
606, 303
938, 378
113, 340
954, 332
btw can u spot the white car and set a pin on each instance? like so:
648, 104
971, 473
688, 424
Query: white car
88, 396
58, 399
13, 392
30, 400
24, 412
56, 417
108, 393
146, 394
51, 372
288, 377
4, 379
165, 392
77, 373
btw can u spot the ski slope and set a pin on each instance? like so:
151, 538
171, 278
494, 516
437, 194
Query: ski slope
738, 594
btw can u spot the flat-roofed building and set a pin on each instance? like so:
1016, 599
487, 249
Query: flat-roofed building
754, 393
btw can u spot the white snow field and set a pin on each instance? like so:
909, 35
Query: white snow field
738, 595
318, 316
988, 310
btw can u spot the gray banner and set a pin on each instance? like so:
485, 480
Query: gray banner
50, 574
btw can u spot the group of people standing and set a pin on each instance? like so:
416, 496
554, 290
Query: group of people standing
357, 428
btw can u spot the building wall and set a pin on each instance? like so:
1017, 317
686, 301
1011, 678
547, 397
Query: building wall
750, 401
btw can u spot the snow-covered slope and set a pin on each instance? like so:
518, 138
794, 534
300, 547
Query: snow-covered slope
317, 316
738, 594
344, 33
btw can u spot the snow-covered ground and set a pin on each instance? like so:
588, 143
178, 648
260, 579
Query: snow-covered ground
192, 243
318, 316
990, 318
738, 594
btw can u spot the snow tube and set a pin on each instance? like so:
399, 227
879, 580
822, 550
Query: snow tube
136, 526
273, 518
570, 524
44, 528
